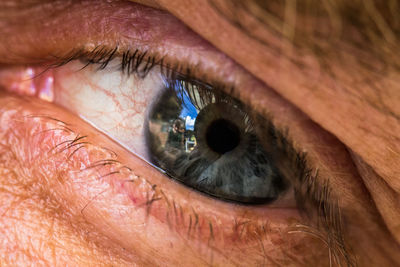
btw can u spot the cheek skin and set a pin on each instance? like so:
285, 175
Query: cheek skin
133, 213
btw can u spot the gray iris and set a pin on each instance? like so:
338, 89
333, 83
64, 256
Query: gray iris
206, 140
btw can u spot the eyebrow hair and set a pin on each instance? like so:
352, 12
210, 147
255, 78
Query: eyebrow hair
315, 25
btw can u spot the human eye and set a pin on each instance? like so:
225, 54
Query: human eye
127, 143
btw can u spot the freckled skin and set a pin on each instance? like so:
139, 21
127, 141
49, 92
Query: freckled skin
47, 220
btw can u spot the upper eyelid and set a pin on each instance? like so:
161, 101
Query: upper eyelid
179, 43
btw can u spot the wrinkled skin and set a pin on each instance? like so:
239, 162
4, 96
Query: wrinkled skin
348, 120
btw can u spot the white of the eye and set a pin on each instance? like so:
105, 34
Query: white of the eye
111, 101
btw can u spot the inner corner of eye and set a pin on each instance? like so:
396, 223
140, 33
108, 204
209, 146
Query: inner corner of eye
198, 135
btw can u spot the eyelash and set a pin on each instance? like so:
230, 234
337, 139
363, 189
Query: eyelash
307, 192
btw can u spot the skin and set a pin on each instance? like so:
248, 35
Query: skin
53, 216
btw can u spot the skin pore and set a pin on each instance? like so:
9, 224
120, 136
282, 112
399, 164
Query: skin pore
336, 93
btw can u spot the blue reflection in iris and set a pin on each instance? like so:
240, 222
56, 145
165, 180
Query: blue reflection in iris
189, 112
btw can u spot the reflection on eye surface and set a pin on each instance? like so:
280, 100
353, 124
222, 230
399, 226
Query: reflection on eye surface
207, 140
142, 92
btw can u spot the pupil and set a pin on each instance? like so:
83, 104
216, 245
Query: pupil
222, 136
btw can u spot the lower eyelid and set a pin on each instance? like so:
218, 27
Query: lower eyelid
127, 210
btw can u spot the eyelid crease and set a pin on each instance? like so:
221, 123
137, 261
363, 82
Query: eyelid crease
310, 194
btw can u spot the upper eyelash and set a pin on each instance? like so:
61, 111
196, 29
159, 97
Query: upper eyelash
141, 63
131, 60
